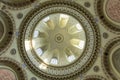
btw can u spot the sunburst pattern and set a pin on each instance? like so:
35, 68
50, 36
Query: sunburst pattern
58, 39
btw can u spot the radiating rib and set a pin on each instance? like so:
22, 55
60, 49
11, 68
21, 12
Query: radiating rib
55, 19
79, 35
73, 29
63, 20
71, 22
55, 52
62, 58
43, 35
38, 42
78, 43
50, 24
45, 47
41, 26
74, 51
47, 56
68, 51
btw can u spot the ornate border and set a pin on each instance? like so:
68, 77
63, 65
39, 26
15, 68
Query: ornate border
14, 65
94, 77
105, 60
8, 38
107, 23
17, 5
73, 6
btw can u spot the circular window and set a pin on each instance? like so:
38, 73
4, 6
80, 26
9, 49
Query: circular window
59, 40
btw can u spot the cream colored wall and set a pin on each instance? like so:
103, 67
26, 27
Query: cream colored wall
26, 11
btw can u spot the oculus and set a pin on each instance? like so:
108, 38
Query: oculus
59, 40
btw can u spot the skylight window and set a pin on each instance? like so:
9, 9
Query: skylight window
79, 27
46, 19
54, 61
39, 51
71, 58
36, 33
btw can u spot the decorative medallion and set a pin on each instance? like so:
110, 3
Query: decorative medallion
11, 70
17, 3
111, 59
6, 30
6, 74
59, 40
95, 77
108, 11
113, 9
